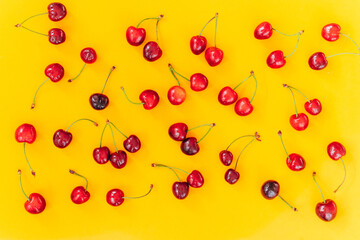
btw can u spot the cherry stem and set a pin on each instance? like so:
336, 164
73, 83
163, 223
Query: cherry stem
216, 22
242, 82
237, 160
19, 172
337, 54
314, 174
117, 129
71, 80
293, 208
82, 119
32, 171
285, 85
211, 126
207, 24
111, 70
148, 19
280, 135
297, 115
297, 43
43, 34
256, 135
351, 40
20, 24
33, 103
75, 173
160, 165
288, 35
122, 88
343, 178
174, 71
112, 134
252, 73
157, 31
102, 134
151, 187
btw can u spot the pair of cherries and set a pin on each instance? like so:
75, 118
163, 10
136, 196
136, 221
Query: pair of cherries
136, 36
228, 96
330, 32
189, 145
177, 94
276, 59
180, 188
56, 12
213, 55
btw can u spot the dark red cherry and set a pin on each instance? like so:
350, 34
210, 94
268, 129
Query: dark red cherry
189, 146
114, 197
326, 210
300, 122
36, 204
214, 56
243, 107
296, 162
79, 195
313, 107
263, 31
132, 144
118, 159
232, 176
135, 36
176, 95
276, 59
56, 36
195, 179
99, 101
336, 150
178, 131
180, 189
150, 99
101, 155
331, 32
198, 82
226, 157
227, 96
152, 51
88, 55
318, 61
61, 138
198, 44
57, 11
270, 189
55, 72
25, 133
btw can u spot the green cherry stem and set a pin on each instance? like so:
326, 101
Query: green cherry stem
174, 71
242, 82
207, 24
28, 163
145, 19
216, 22
337, 54
160, 165
351, 40
111, 70
252, 74
297, 115
285, 85
211, 126
343, 163
75, 173
237, 160
280, 135
122, 88
293, 208
256, 136
82, 69
37, 90
102, 134
19, 172
314, 174
288, 35
82, 119
297, 43
151, 187
19, 24
113, 137
157, 30
117, 129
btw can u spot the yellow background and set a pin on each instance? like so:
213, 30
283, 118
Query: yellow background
218, 210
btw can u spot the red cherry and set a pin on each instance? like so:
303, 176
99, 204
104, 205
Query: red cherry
276, 59
132, 144
56, 36
25, 133
88, 55
227, 96
299, 122
294, 161
79, 195
118, 159
115, 197
178, 131
176, 95
101, 155
35, 203
214, 56
62, 138
336, 150
326, 210
180, 190
263, 31
243, 107
190, 146
150, 99
226, 157
195, 179
270, 190
313, 107
198, 82
135, 36
55, 72
232, 176
57, 11
152, 51
318, 61
331, 32
198, 44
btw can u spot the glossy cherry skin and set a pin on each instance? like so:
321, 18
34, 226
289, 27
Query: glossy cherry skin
178, 131
118, 159
243, 107
318, 61
336, 150
61, 138
57, 11
296, 162
198, 44
135, 36
195, 179
189, 146
56, 36
152, 51
331, 32
326, 210
150, 99
99, 101
299, 123
25, 133
226, 157
276, 59
132, 144
55, 72
36, 205
88, 55
263, 31
180, 190
198, 82
313, 107
101, 155
232, 176
79, 195
176, 95
270, 189
114, 197
227, 96
214, 56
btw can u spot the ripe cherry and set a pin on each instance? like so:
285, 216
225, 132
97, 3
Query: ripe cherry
299, 121
198, 43
54, 72
119, 158
190, 146
101, 154
263, 31
318, 61
26, 133
176, 95
135, 35
180, 190
336, 151
100, 101
35, 203
330, 32
214, 55
79, 194
132, 143
62, 138
89, 56
149, 99
178, 131
57, 11
232, 176
56, 36
152, 50
327, 209
115, 197
243, 106
294, 161
270, 190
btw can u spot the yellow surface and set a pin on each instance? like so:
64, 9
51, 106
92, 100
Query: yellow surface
218, 210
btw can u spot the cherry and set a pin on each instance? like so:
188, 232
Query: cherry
270, 189
180, 190
327, 209
299, 121
152, 50
263, 31
227, 96
100, 101
115, 197
35, 203
56, 36
214, 56
132, 143
294, 161
243, 107
89, 56
101, 154
79, 194
149, 99
336, 151
57, 11
176, 95
119, 158
62, 138
318, 61
178, 131
232, 176
198, 43
190, 146
330, 32
26, 133
135, 35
